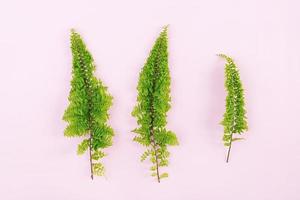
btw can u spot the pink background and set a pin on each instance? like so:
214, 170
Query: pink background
38, 162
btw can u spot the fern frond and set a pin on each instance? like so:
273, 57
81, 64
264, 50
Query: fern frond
234, 119
153, 103
87, 113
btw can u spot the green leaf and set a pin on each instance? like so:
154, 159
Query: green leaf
97, 155
236, 139
164, 163
141, 140
154, 174
164, 137
153, 168
98, 169
152, 159
83, 146
164, 175
145, 155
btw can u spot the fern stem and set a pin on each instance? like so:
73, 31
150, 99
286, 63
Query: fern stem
228, 152
155, 154
90, 121
91, 160
152, 136
152, 122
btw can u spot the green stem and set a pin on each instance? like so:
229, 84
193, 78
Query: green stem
154, 145
90, 121
152, 135
155, 154
91, 159
228, 152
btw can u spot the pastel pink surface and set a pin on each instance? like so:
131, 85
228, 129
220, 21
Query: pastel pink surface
38, 162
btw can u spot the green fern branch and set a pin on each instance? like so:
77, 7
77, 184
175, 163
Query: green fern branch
87, 112
234, 120
153, 103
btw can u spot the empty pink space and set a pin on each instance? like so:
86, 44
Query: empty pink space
38, 162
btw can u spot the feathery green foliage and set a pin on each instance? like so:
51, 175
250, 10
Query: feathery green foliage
87, 112
234, 120
153, 102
